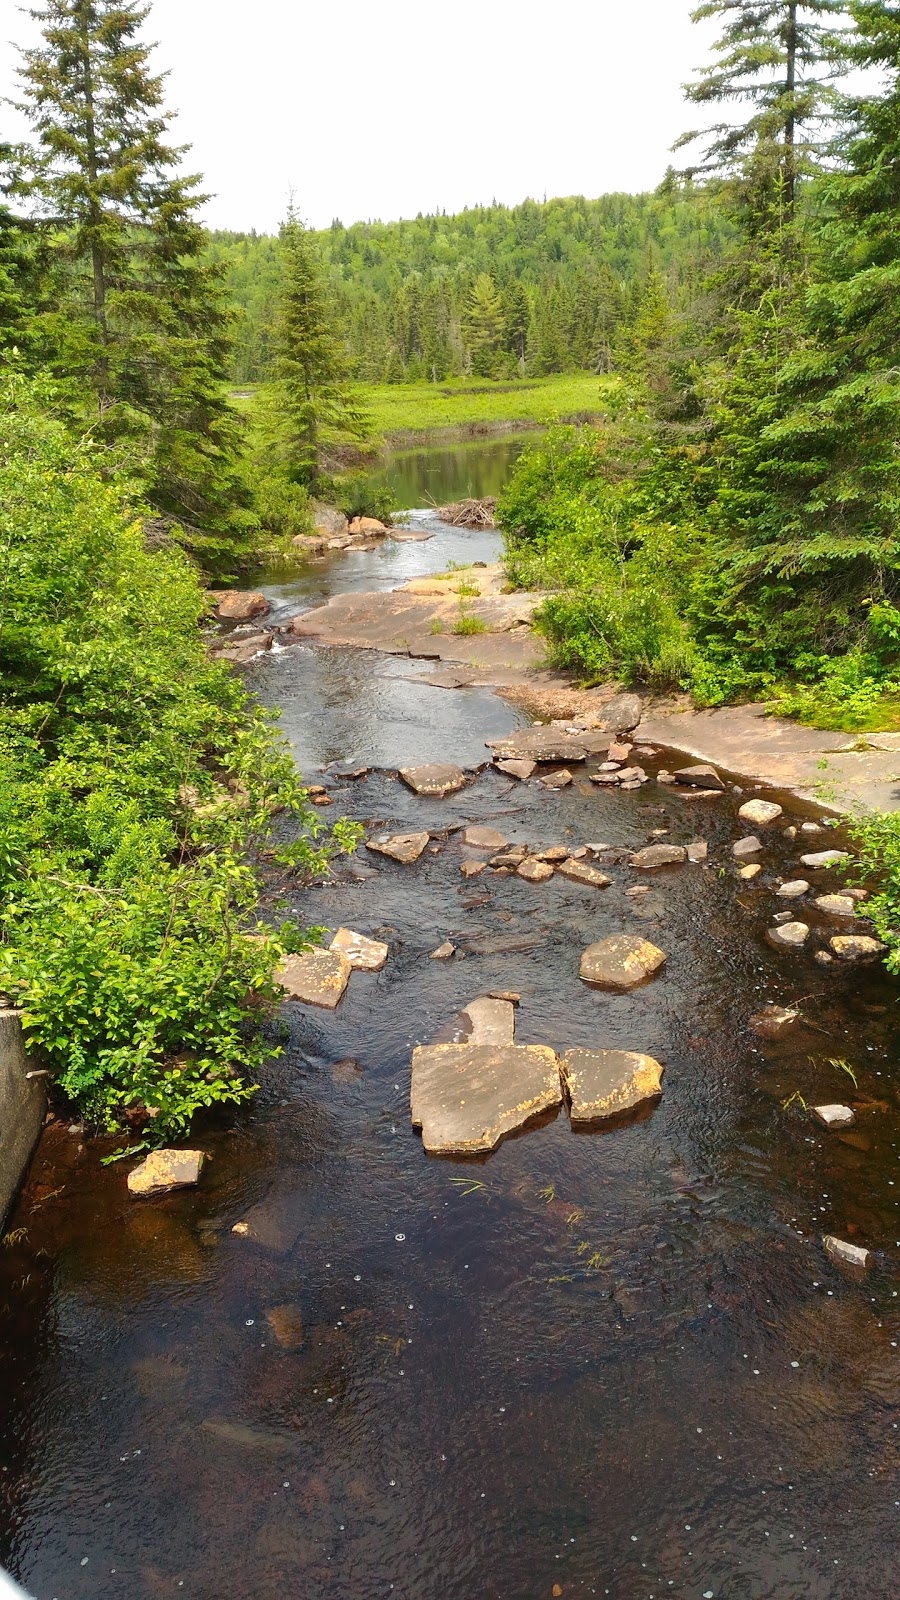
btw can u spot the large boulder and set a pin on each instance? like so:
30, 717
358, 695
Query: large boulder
328, 521
466, 1097
607, 1083
620, 714
239, 605
621, 962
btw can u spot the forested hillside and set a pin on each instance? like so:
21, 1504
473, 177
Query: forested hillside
540, 288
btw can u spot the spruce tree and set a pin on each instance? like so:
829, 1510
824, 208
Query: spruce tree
516, 312
484, 325
312, 394
142, 320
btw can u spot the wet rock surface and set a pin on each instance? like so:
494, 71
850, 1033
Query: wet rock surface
621, 962
318, 978
363, 954
434, 780
604, 1084
467, 1098
403, 847
164, 1170
659, 855
760, 813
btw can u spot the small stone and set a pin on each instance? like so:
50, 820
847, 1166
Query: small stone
485, 839
659, 855
535, 871
790, 934
403, 847
789, 833
773, 1020
621, 962
556, 780
855, 947
753, 871
835, 905
606, 1083
491, 1022
512, 995
602, 776
783, 916
811, 827
824, 958
665, 777
317, 978
699, 777
435, 780
834, 1116
364, 955
847, 1255
760, 813
164, 1170
580, 872
510, 859
472, 869
286, 1323
517, 769
824, 858
746, 847
619, 752
638, 890
793, 890
697, 851
632, 775
553, 853
443, 952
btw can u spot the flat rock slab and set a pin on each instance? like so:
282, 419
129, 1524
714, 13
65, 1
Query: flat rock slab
318, 978
847, 1255
580, 872
621, 962
605, 1083
746, 847
659, 855
535, 871
760, 813
403, 847
834, 1116
485, 839
364, 955
466, 1098
856, 947
164, 1170
824, 858
699, 777
790, 935
436, 780
491, 1022
835, 905
554, 853
443, 952
540, 744
773, 1021
517, 769
793, 890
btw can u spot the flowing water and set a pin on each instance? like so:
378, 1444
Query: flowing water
591, 1364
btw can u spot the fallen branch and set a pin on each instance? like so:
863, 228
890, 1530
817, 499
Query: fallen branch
470, 513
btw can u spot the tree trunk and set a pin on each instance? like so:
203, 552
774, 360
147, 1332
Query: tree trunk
790, 125
98, 263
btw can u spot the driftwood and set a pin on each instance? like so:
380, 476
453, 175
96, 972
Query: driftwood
470, 513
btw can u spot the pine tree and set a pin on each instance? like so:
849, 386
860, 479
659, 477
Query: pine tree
312, 394
516, 313
770, 55
484, 325
141, 318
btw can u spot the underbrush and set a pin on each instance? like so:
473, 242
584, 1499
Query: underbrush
141, 793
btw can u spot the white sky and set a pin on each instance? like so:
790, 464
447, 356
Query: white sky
383, 108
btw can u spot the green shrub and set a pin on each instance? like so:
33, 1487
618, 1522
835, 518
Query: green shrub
139, 785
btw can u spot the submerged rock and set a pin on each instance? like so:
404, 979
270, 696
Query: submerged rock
760, 813
746, 847
317, 978
790, 935
517, 769
834, 1116
466, 1098
403, 847
621, 962
286, 1323
856, 947
580, 872
437, 779
659, 855
699, 777
164, 1170
773, 1020
606, 1083
364, 955
491, 1021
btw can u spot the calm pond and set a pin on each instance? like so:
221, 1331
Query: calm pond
470, 469
592, 1364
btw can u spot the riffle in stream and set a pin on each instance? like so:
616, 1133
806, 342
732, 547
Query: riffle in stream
613, 1363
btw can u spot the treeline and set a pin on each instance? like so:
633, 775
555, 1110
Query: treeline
733, 527
495, 291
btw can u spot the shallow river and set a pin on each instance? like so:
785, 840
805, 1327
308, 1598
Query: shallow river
597, 1364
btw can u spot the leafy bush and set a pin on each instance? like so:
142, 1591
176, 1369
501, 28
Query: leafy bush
877, 838
138, 786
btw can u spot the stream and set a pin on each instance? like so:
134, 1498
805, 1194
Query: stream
610, 1363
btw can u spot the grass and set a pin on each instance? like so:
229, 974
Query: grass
467, 623
398, 408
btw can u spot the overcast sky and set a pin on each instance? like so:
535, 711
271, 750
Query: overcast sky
383, 110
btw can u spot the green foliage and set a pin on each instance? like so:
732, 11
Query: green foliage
138, 786
877, 840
